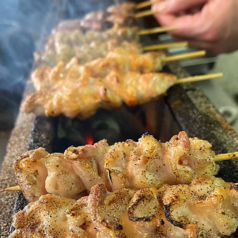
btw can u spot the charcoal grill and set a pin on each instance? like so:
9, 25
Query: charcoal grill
185, 107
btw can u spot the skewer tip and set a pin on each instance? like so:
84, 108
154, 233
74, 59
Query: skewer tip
144, 13
185, 56
14, 188
228, 156
156, 30
144, 4
165, 46
199, 78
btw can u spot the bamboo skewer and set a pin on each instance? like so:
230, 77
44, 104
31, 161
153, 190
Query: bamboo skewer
14, 188
227, 156
185, 56
165, 46
144, 4
144, 13
157, 30
198, 78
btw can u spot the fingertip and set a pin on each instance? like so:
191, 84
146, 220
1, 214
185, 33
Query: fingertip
165, 20
160, 7
187, 26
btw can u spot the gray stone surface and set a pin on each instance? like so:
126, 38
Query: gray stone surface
223, 91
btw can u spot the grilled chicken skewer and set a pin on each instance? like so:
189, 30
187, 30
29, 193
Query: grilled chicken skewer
205, 208
66, 38
82, 98
142, 164
127, 57
217, 158
120, 15
62, 46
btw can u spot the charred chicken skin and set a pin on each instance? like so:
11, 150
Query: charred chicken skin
143, 164
205, 208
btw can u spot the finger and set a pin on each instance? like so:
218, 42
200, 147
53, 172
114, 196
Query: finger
199, 44
187, 25
214, 48
176, 6
194, 43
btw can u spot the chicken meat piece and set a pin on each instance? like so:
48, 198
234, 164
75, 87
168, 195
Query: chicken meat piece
81, 100
78, 37
99, 26
205, 208
46, 76
129, 213
100, 20
46, 217
150, 163
122, 14
122, 8
62, 46
125, 60
43, 178
208, 206
83, 97
143, 164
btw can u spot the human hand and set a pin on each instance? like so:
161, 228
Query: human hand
206, 24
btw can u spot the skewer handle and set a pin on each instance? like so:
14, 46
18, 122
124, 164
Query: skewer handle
227, 156
185, 56
144, 13
165, 46
199, 78
143, 4
156, 30
14, 188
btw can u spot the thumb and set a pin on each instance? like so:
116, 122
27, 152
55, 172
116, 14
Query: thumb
176, 6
